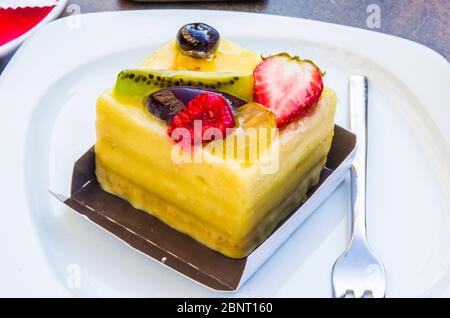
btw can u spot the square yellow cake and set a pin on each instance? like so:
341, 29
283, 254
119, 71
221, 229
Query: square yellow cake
226, 205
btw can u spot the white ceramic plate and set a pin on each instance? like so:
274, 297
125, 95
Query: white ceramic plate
12, 45
47, 100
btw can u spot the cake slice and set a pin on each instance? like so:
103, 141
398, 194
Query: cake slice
227, 207
225, 203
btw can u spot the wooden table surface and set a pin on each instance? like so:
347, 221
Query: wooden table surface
423, 21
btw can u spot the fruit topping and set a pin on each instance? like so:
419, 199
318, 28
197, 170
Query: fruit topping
205, 111
254, 115
229, 57
198, 40
168, 102
255, 130
141, 83
164, 104
289, 86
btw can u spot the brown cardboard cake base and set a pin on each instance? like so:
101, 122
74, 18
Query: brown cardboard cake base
155, 239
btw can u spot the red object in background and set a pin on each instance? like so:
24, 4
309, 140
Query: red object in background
15, 22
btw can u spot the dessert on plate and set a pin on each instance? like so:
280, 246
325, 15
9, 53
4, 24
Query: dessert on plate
213, 139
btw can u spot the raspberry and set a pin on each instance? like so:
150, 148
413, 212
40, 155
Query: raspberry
211, 109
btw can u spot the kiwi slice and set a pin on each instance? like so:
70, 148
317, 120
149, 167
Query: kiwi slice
141, 83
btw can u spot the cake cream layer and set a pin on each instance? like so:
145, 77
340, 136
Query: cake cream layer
228, 207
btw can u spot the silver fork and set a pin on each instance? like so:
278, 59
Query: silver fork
358, 272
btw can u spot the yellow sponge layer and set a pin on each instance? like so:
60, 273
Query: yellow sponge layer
227, 206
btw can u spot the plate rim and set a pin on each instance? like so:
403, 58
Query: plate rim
18, 57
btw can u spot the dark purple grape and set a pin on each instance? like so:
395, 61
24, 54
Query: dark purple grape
168, 102
198, 40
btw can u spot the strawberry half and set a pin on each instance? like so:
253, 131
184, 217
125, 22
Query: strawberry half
289, 86
210, 109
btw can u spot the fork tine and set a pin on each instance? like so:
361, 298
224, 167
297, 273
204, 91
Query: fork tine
368, 294
349, 294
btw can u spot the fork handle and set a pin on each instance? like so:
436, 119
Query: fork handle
358, 122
